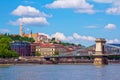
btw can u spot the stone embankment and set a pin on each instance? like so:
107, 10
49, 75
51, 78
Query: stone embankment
41, 61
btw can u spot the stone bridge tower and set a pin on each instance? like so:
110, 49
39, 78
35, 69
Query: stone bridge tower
100, 58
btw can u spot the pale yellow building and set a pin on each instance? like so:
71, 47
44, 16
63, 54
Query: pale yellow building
45, 50
35, 36
50, 49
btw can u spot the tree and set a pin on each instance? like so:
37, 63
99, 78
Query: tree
5, 43
5, 50
14, 54
56, 53
53, 39
38, 53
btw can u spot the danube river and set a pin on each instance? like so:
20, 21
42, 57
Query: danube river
60, 72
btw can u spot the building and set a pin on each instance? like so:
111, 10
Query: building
37, 37
43, 39
109, 49
45, 49
31, 35
50, 49
23, 48
33, 48
91, 49
21, 30
112, 48
60, 48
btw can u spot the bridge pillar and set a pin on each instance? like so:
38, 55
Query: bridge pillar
100, 58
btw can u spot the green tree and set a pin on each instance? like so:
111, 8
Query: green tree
56, 53
5, 43
14, 54
5, 50
38, 53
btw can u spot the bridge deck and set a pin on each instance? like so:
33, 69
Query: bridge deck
69, 56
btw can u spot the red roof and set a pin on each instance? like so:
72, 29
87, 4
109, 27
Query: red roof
47, 45
42, 36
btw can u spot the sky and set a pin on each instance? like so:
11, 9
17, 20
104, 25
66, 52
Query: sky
75, 21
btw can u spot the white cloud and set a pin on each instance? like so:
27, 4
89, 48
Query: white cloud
80, 6
89, 11
4, 30
113, 41
70, 38
30, 21
87, 38
27, 11
30, 16
76, 38
103, 1
59, 36
44, 34
110, 26
91, 26
115, 9
69, 4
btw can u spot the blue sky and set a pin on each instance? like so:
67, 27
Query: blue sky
77, 21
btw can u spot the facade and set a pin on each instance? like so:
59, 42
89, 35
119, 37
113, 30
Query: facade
33, 48
34, 36
91, 49
23, 48
109, 49
60, 48
45, 49
37, 37
112, 48
43, 39
49, 49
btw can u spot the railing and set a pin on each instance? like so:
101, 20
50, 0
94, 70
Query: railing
66, 56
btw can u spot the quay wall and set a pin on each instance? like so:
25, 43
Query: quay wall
51, 62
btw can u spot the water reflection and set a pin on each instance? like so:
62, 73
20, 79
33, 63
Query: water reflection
101, 72
60, 72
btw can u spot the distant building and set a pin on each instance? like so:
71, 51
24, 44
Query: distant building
46, 49
43, 39
50, 49
109, 49
91, 49
33, 48
112, 48
21, 30
23, 48
35, 36
60, 48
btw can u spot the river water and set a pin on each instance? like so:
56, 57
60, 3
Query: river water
60, 72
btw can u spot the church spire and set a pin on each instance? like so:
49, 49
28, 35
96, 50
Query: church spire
31, 34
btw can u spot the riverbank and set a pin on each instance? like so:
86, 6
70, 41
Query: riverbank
52, 62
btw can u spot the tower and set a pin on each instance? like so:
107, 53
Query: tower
100, 58
21, 30
30, 34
